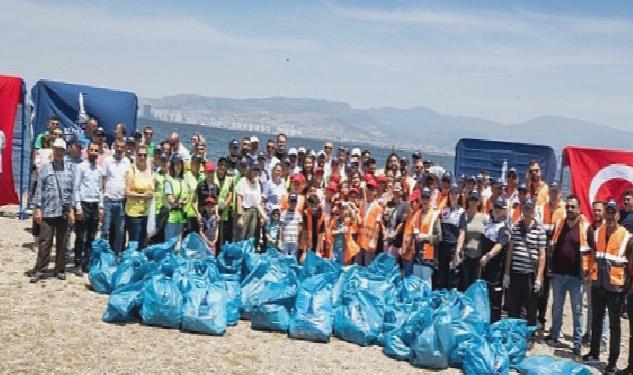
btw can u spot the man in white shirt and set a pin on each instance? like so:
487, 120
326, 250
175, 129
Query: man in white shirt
177, 147
114, 171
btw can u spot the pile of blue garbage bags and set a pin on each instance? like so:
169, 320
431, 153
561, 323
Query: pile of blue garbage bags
194, 291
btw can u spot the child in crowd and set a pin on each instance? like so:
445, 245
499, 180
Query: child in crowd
209, 227
272, 228
290, 228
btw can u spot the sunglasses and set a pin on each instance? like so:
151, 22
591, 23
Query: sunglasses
570, 207
534, 170
327, 147
141, 155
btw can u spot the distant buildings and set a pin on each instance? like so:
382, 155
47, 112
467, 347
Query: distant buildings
147, 111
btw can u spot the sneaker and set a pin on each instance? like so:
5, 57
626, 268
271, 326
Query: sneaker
586, 339
35, 277
590, 358
61, 275
79, 273
549, 340
610, 370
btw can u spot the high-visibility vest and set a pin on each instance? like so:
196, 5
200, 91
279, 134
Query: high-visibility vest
550, 216
585, 250
307, 235
225, 189
408, 242
159, 190
301, 202
515, 213
425, 224
541, 195
609, 267
351, 248
180, 192
440, 200
368, 231
192, 185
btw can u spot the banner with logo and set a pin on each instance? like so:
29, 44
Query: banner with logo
599, 174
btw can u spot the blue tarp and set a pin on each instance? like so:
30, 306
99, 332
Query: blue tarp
62, 100
475, 155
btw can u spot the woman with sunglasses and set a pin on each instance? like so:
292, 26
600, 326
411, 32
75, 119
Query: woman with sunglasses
139, 190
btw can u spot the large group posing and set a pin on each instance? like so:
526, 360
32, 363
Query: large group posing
520, 235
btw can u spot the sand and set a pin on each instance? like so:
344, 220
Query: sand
55, 326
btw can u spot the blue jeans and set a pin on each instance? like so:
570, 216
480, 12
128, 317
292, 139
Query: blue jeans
173, 230
339, 256
561, 284
114, 224
137, 230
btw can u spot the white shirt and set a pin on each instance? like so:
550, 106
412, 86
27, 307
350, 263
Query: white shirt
183, 152
114, 172
273, 193
251, 193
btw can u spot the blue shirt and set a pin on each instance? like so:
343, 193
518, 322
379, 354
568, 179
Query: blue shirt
47, 195
626, 220
87, 185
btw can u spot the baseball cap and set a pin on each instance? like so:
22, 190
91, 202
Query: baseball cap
209, 166
404, 160
447, 176
355, 152
427, 161
286, 161
416, 155
454, 187
426, 192
612, 204
354, 159
158, 147
529, 204
332, 186
261, 155
234, 143
254, 139
298, 177
164, 156
523, 187
313, 199
472, 178
255, 166
130, 140
480, 177
100, 131
301, 150
292, 197
371, 183
245, 160
292, 152
59, 143
210, 200
138, 134
473, 195
554, 185
512, 170
500, 203
321, 153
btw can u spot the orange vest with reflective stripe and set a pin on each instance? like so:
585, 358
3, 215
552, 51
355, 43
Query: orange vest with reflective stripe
515, 216
368, 232
307, 232
585, 250
425, 226
610, 258
351, 248
551, 216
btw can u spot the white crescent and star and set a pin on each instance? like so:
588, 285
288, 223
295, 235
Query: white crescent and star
610, 172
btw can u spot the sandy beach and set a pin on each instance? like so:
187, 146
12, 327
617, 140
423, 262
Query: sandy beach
55, 327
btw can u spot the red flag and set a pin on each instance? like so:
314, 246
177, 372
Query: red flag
10, 96
599, 174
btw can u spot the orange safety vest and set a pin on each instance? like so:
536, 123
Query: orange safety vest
351, 248
541, 194
515, 215
301, 199
610, 257
307, 235
407, 240
370, 227
585, 250
425, 226
441, 200
550, 217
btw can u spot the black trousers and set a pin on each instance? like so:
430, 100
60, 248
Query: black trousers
443, 275
542, 300
601, 299
495, 291
225, 233
470, 272
521, 295
52, 227
85, 231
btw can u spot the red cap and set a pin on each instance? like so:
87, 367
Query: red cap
210, 200
209, 166
415, 195
318, 170
335, 177
381, 178
354, 190
332, 186
372, 183
298, 177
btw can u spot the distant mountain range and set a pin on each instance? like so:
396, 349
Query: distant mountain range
414, 128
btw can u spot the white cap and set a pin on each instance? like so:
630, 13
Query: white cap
321, 153
59, 143
254, 139
355, 152
354, 159
301, 150
312, 153
292, 151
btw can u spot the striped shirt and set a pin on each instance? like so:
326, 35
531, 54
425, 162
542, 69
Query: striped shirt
291, 222
525, 247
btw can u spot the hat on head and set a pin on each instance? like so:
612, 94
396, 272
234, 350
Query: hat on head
100, 131
209, 166
472, 178
500, 203
59, 143
313, 199
416, 155
354, 159
312, 153
298, 177
158, 147
455, 187
261, 155
245, 160
130, 141
427, 161
255, 166
234, 143
286, 161
529, 204
164, 156
138, 134
301, 150
332, 186
355, 152
480, 177
612, 204
210, 200
293, 197
447, 176
473, 195
372, 184
404, 160
426, 193
292, 152
512, 170
554, 185
523, 187
321, 153
254, 139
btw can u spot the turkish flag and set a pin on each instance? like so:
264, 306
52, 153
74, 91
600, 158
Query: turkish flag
599, 174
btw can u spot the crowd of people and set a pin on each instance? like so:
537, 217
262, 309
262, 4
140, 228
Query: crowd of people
517, 232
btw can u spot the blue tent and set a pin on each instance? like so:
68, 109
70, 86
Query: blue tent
475, 155
62, 100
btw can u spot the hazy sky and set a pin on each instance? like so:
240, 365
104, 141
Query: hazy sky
502, 60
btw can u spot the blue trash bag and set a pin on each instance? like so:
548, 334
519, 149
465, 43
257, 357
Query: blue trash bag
342, 283
315, 265
124, 303
395, 316
549, 365
385, 267
432, 348
486, 358
412, 289
134, 267
478, 294
162, 303
272, 282
229, 261
101, 272
204, 308
130, 250
513, 334
359, 319
194, 246
398, 342
99, 246
159, 251
312, 317
270, 318
233, 297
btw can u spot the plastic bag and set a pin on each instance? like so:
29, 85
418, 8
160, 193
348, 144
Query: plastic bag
159, 251
549, 365
99, 246
513, 334
101, 272
486, 358
384, 267
315, 265
233, 293
478, 294
151, 229
312, 317
195, 246
358, 319
432, 348
270, 318
272, 282
204, 309
124, 303
134, 267
162, 303
229, 261
412, 289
